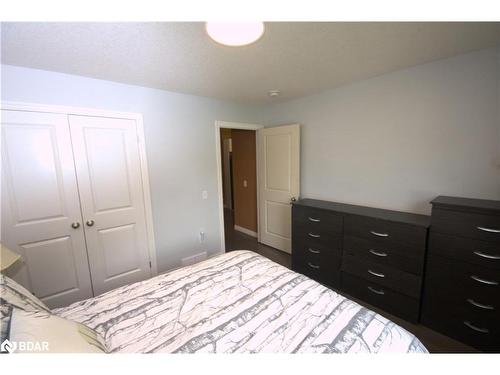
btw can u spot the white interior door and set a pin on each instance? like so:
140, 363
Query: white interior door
111, 192
279, 182
40, 205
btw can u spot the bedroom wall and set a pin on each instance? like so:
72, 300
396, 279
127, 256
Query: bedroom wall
180, 145
398, 140
393, 141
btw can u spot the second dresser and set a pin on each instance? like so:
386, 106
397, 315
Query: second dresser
462, 281
372, 254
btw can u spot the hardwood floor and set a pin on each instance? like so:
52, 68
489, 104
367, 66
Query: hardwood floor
433, 341
239, 241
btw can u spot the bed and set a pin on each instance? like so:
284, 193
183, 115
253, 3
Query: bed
233, 303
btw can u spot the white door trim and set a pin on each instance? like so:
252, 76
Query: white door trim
35, 107
230, 125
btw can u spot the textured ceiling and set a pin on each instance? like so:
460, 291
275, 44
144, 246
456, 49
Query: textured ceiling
297, 58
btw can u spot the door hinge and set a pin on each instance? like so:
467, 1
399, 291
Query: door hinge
150, 264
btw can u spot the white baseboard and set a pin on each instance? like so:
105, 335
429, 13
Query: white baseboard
246, 231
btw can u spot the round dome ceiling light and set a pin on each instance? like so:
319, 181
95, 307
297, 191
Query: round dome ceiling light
235, 34
274, 93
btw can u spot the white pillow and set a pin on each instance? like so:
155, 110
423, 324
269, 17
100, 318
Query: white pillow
18, 296
43, 332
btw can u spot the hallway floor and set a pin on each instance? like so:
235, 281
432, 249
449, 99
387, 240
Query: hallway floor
239, 241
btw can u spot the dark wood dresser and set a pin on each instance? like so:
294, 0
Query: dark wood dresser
462, 282
372, 254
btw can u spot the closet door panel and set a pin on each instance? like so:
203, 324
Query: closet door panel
111, 192
55, 265
39, 205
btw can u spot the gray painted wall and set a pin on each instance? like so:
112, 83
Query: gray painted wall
180, 146
398, 140
394, 141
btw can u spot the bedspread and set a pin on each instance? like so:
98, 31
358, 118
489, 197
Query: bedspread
237, 302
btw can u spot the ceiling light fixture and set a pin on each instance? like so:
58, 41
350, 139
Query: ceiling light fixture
235, 34
274, 93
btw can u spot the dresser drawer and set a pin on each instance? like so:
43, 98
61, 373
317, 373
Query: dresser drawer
483, 309
462, 300
466, 224
449, 287
383, 231
312, 246
474, 331
380, 296
397, 280
315, 218
315, 234
391, 254
485, 254
323, 267
461, 281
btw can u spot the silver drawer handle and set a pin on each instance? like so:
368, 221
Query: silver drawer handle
477, 329
373, 290
377, 253
313, 265
314, 235
483, 255
480, 305
483, 281
491, 230
379, 234
314, 220
314, 251
376, 274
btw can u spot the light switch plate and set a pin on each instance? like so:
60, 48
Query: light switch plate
204, 194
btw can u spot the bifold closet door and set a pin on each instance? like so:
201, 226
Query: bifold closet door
41, 217
108, 169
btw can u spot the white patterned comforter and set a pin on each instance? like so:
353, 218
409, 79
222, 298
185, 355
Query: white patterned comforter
237, 302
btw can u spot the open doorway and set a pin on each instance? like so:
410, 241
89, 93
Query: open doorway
237, 148
239, 186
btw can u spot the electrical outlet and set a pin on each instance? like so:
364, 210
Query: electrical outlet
245, 183
204, 194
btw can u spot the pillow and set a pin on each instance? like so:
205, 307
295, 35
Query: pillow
18, 296
5, 316
43, 332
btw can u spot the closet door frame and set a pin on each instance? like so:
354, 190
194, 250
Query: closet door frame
47, 108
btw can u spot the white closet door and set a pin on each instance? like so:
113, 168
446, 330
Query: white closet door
39, 206
111, 192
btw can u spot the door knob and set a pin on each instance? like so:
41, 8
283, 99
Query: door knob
90, 223
293, 199
75, 225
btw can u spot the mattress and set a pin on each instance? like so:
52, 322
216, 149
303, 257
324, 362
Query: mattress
238, 302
